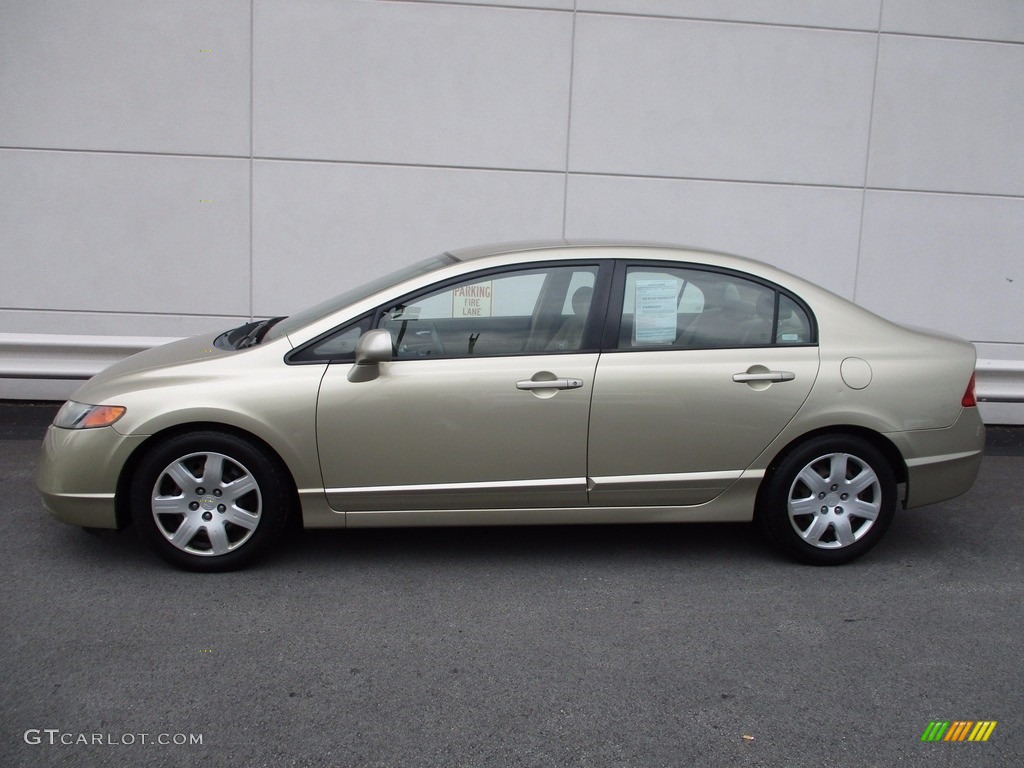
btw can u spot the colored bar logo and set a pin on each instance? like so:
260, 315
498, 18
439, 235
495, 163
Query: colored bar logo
958, 730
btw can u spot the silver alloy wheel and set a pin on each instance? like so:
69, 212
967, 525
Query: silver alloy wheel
206, 503
834, 501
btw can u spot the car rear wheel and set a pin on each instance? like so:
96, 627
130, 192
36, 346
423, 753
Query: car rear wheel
829, 501
209, 501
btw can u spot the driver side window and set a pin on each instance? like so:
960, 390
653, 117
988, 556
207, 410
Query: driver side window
532, 311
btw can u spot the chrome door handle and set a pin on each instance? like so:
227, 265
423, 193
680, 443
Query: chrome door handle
529, 384
766, 376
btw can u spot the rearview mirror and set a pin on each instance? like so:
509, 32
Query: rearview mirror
372, 349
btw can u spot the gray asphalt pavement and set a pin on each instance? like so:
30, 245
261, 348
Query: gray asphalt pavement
604, 646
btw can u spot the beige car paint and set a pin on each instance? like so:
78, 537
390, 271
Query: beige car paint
484, 452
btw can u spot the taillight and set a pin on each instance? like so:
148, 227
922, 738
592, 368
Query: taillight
970, 400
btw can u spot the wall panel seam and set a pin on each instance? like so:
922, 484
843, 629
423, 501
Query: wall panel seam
568, 122
737, 22
952, 38
534, 171
714, 20
499, 6
138, 152
867, 152
252, 148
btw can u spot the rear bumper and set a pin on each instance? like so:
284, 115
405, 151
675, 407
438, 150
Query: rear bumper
942, 463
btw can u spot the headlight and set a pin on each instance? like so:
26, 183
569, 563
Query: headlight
74, 415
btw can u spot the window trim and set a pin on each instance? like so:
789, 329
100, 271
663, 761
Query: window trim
616, 301
292, 358
590, 342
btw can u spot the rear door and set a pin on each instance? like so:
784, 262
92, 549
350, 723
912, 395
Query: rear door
707, 369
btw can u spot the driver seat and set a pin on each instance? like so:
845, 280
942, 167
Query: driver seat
569, 336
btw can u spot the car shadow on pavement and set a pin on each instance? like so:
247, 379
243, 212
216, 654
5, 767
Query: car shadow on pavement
327, 549
533, 543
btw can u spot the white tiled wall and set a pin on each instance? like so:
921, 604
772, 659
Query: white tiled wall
949, 116
125, 76
837, 14
1001, 20
126, 233
412, 83
320, 226
720, 101
812, 231
972, 249
177, 164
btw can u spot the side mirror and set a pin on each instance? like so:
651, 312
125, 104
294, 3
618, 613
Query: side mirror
372, 349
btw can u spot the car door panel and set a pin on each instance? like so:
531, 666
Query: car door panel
457, 433
678, 427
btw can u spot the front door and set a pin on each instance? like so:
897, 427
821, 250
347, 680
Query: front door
484, 406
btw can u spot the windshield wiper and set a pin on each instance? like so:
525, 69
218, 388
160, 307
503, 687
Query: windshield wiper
255, 336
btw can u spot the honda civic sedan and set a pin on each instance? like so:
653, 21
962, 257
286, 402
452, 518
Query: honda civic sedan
554, 383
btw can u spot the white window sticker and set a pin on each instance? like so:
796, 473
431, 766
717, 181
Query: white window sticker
472, 300
655, 320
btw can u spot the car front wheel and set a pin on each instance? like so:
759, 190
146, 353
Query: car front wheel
208, 501
829, 501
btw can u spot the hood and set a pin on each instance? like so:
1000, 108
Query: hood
176, 353
195, 349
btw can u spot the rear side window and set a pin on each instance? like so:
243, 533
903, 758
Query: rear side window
683, 308
794, 326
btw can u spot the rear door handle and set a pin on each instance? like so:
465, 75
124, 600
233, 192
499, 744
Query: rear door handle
529, 384
766, 376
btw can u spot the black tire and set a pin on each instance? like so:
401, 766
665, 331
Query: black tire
209, 501
829, 500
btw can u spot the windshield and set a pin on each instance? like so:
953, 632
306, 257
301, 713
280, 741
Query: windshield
307, 316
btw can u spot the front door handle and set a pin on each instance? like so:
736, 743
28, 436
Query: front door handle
529, 384
766, 376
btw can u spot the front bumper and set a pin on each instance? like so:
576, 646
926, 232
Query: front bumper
78, 474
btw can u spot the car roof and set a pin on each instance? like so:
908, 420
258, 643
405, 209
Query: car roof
498, 249
659, 251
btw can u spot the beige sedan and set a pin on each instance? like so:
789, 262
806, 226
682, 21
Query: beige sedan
532, 384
